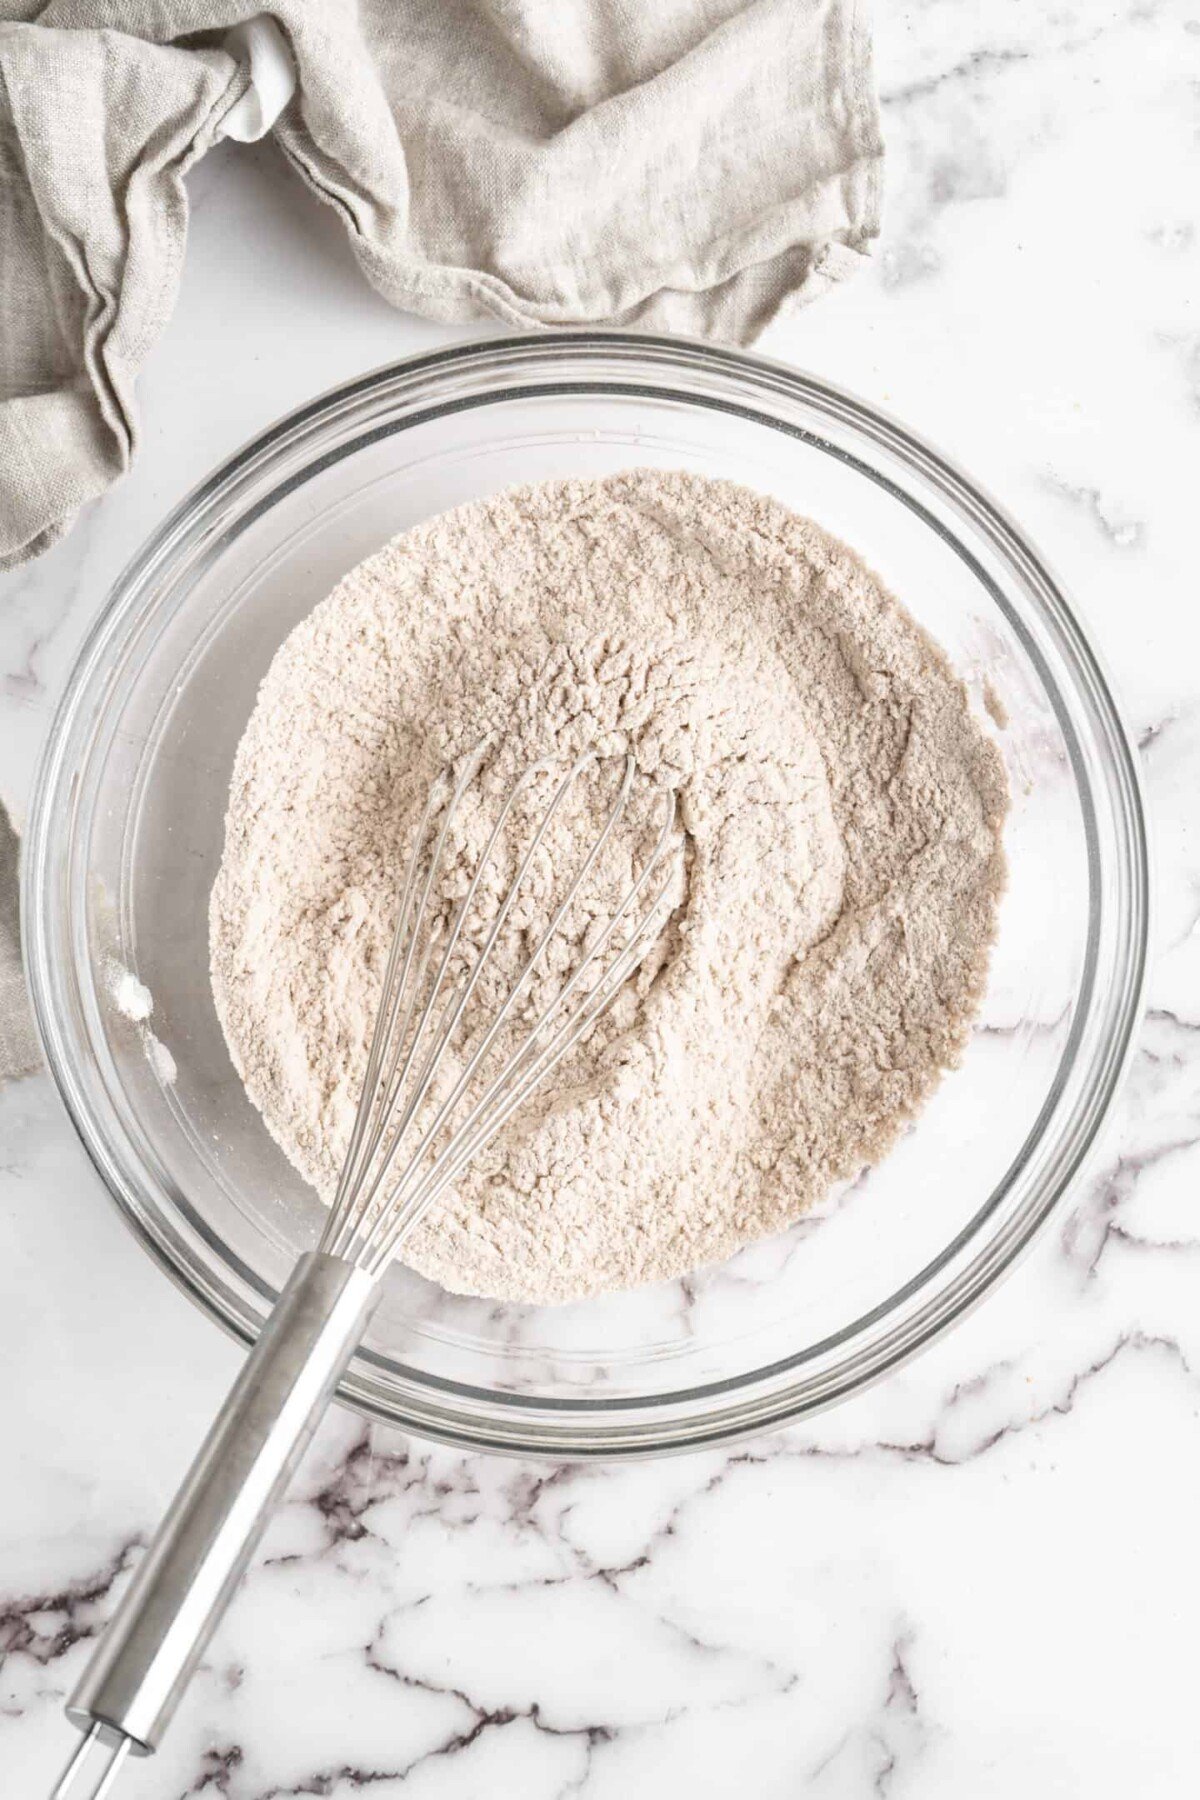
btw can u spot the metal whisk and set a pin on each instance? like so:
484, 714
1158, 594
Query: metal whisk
421, 1120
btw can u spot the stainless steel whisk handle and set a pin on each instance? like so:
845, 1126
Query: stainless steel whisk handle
147, 1655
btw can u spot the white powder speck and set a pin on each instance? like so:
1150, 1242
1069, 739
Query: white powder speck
160, 1058
130, 996
994, 705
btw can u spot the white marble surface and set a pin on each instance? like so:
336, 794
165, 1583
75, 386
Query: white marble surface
978, 1580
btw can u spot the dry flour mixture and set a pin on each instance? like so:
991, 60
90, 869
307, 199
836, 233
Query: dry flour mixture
842, 810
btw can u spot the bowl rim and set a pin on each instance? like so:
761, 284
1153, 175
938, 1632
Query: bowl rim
735, 1407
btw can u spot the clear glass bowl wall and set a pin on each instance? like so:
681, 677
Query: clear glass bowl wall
126, 835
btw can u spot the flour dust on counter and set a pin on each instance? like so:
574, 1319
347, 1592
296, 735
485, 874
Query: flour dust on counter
842, 812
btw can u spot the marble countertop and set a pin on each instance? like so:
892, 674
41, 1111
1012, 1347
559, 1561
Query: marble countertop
978, 1579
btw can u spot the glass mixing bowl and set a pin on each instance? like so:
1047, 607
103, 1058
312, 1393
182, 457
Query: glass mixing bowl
126, 833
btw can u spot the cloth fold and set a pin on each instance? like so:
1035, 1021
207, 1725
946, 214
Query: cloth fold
19, 1052
690, 165
96, 134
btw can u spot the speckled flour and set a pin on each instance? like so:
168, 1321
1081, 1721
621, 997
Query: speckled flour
842, 811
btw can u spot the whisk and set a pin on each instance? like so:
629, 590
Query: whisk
421, 1120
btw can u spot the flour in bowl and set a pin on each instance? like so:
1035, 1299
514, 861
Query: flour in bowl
842, 810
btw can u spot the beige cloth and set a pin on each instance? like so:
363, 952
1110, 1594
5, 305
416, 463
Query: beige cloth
683, 164
18, 1040
687, 165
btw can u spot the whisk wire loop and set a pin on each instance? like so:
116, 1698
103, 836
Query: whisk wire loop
381, 1197
113, 1752
458, 1001
403, 941
466, 1144
400, 996
518, 987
